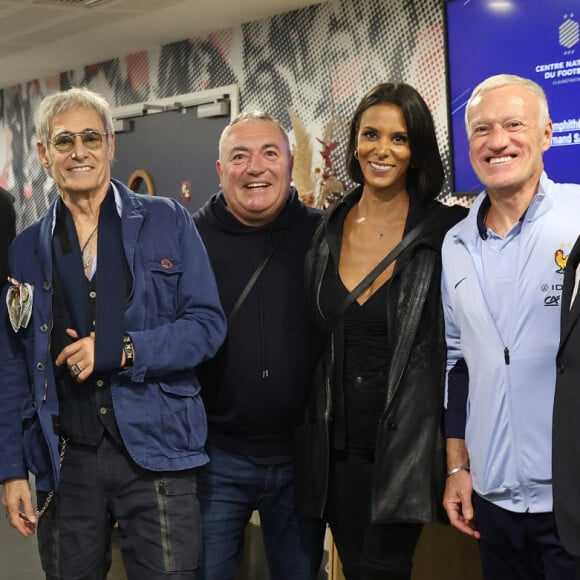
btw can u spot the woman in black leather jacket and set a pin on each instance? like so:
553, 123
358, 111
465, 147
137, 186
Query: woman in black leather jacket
370, 454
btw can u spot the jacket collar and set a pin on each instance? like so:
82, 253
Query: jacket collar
337, 214
469, 231
132, 211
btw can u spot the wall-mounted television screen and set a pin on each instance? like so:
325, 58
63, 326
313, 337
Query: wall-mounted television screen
537, 39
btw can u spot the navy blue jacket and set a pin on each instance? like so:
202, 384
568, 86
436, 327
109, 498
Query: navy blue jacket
174, 318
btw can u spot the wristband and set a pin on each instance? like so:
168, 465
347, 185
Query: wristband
128, 350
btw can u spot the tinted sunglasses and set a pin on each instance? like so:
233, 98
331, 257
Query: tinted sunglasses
65, 142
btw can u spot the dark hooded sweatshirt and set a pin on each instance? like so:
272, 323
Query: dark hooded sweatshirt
254, 390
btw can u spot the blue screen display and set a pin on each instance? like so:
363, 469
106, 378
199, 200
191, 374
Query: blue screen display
537, 39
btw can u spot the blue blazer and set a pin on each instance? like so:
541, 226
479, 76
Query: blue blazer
174, 318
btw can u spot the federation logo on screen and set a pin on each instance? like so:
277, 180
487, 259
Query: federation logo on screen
569, 32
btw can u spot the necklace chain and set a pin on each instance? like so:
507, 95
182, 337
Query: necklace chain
86, 251
40, 510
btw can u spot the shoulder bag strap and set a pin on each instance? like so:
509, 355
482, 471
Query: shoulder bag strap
253, 279
384, 263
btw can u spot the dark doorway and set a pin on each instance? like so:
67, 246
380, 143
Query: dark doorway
177, 150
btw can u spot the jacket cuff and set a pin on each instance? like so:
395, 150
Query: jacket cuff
454, 424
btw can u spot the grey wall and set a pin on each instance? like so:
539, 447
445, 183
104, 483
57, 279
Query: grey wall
172, 147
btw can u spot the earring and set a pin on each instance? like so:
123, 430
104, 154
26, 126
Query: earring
355, 154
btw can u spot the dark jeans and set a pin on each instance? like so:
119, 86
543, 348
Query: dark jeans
520, 546
231, 486
368, 551
159, 523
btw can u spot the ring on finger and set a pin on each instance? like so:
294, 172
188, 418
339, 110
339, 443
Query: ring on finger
76, 370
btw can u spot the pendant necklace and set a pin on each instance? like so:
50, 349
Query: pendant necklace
86, 251
381, 234
363, 219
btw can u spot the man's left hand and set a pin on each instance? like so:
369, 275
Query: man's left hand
17, 501
79, 356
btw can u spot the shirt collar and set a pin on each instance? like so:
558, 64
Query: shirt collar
118, 205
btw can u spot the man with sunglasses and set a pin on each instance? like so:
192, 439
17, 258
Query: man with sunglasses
111, 304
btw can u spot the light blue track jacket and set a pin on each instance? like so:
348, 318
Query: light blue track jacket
510, 354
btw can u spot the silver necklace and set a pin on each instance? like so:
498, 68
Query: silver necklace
86, 251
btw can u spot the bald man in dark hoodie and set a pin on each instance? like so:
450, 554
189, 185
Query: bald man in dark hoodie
257, 231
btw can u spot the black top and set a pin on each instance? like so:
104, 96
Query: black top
255, 388
362, 365
86, 409
365, 364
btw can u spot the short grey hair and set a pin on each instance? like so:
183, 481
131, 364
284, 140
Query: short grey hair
255, 115
507, 80
70, 100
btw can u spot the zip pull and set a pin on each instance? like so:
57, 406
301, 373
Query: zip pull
506, 355
265, 374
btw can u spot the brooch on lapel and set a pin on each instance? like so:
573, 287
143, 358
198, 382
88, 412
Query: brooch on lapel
19, 303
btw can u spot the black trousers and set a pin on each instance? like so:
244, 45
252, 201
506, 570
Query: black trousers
367, 551
158, 516
520, 546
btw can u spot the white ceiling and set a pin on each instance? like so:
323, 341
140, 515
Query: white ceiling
40, 38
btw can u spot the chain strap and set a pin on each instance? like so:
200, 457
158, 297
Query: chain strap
40, 512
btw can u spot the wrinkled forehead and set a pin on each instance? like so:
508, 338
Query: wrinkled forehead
503, 102
75, 119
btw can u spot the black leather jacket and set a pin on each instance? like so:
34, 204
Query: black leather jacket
409, 471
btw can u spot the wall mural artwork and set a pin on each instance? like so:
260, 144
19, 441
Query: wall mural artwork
309, 68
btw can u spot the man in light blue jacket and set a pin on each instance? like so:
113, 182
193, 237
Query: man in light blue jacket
503, 270
111, 304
